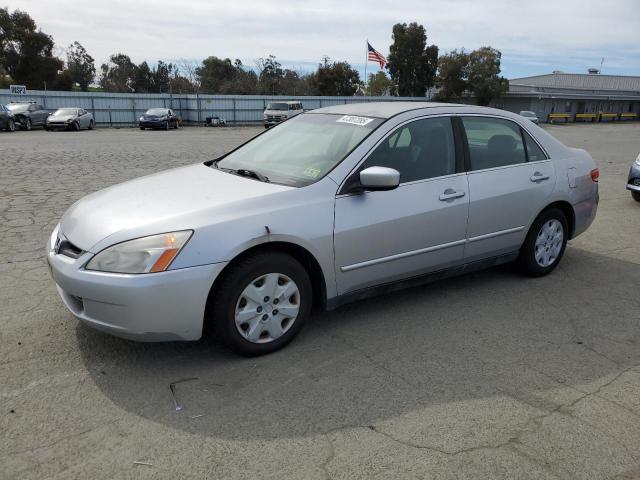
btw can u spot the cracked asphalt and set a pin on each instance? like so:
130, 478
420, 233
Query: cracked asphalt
490, 375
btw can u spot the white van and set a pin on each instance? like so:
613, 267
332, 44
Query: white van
277, 112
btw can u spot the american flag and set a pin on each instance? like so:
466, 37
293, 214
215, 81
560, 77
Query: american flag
375, 56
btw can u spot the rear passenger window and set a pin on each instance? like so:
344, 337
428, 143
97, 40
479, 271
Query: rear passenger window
493, 142
534, 152
419, 150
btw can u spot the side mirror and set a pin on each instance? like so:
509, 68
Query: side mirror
379, 178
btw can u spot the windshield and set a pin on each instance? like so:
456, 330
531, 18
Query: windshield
303, 149
156, 111
277, 106
18, 107
66, 111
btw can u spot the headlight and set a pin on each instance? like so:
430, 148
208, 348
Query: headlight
69, 120
142, 255
141, 119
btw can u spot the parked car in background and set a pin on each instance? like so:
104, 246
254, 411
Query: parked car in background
163, 118
633, 183
70, 119
216, 121
332, 206
530, 116
28, 114
7, 120
277, 112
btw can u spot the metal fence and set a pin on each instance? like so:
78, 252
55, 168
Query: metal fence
124, 109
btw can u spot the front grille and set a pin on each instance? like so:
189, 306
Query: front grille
68, 249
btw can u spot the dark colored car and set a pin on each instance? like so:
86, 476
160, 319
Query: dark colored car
7, 120
28, 114
633, 183
159, 118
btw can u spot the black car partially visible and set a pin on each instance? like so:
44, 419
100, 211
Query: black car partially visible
159, 118
28, 114
7, 120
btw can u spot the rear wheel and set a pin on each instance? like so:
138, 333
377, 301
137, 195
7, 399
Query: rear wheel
636, 196
262, 304
141, 128
545, 243
91, 125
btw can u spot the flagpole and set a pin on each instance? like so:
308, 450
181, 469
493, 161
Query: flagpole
366, 61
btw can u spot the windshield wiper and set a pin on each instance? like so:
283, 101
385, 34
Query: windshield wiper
251, 173
243, 172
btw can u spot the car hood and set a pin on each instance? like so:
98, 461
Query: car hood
61, 118
177, 199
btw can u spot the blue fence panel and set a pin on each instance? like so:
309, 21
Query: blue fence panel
124, 109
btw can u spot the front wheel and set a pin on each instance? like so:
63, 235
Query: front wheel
28, 125
76, 126
636, 196
11, 126
545, 243
262, 304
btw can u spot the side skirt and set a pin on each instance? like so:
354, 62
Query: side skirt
335, 302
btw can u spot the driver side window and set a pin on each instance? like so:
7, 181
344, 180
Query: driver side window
418, 150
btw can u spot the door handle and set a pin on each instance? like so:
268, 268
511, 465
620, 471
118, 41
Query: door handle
450, 194
538, 177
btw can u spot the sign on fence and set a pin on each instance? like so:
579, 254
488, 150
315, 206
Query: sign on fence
18, 89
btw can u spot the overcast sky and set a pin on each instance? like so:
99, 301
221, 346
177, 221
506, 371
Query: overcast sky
534, 37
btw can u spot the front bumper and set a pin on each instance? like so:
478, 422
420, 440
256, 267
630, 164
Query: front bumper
58, 125
149, 307
633, 182
153, 123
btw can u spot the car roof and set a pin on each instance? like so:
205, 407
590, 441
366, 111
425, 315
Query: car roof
385, 109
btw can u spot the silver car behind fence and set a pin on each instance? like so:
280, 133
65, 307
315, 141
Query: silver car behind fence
332, 206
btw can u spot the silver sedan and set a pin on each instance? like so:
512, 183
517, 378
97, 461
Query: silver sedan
70, 119
332, 206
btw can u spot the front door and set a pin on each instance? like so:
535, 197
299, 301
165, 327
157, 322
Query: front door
417, 228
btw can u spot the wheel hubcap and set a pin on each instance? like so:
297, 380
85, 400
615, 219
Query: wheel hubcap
549, 243
257, 318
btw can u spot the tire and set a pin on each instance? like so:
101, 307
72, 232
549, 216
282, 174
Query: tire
76, 126
28, 125
141, 128
263, 329
543, 248
91, 125
166, 125
636, 196
11, 126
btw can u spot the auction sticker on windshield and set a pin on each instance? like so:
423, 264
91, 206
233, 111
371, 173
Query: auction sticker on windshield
355, 120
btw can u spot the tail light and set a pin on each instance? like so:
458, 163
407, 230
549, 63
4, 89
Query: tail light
595, 174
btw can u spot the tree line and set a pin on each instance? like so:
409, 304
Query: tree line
413, 68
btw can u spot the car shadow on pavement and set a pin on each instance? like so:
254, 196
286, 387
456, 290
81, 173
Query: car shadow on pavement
474, 337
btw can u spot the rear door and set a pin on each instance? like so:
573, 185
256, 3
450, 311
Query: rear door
417, 228
510, 180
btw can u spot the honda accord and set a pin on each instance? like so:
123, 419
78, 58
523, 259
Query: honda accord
331, 206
